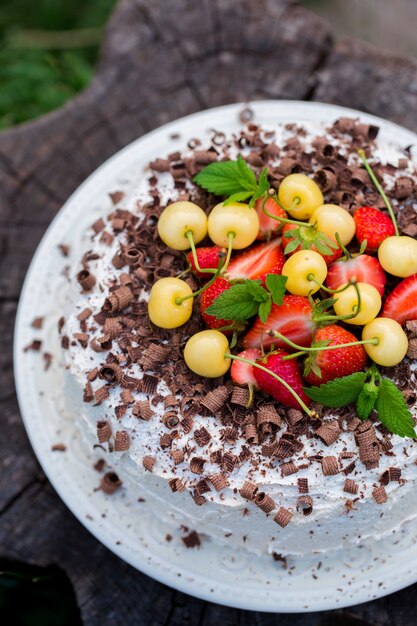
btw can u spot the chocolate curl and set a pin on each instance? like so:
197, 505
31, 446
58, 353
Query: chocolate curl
380, 495
101, 394
170, 401
294, 416
148, 463
112, 327
118, 300
329, 432
82, 339
111, 373
88, 395
177, 456
326, 179
197, 465
149, 384
165, 441
329, 466
288, 166
171, 419
229, 461
251, 434
288, 468
240, 396
84, 315
412, 349
127, 397
268, 449
248, 490
155, 354
359, 178
106, 238
202, 487
121, 441
215, 399
187, 424
101, 344
394, 473
142, 409
120, 411
198, 500
202, 436
103, 431
132, 256
268, 415
219, 481
176, 485
351, 486
369, 452
110, 483
86, 280
264, 502
305, 505
403, 187
283, 517
368, 132
160, 165
302, 485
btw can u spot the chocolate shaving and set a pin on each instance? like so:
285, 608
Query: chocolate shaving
35, 346
215, 399
142, 409
264, 502
118, 300
127, 397
112, 327
251, 434
111, 373
202, 487
192, 540
37, 323
197, 465
350, 486
101, 344
187, 424
148, 463
248, 490
165, 441
59, 447
84, 315
202, 436
380, 495
121, 441
283, 517
110, 483
177, 456
326, 179
267, 415
305, 505
170, 420
302, 485
98, 225
240, 396
88, 395
288, 468
329, 432
176, 485
403, 187
394, 473
219, 481
329, 466
101, 394
86, 280
103, 431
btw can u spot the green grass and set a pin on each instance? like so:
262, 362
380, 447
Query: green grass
48, 50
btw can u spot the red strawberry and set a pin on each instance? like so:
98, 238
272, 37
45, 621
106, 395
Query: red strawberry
207, 298
208, 258
334, 363
268, 226
401, 304
293, 318
255, 263
288, 371
363, 267
308, 238
242, 373
372, 225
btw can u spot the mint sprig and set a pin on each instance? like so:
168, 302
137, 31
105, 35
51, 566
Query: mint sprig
234, 179
370, 392
245, 300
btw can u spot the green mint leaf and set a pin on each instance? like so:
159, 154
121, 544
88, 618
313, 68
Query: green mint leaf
291, 246
225, 178
247, 174
238, 197
237, 303
256, 290
393, 411
262, 188
276, 285
264, 310
366, 400
338, 392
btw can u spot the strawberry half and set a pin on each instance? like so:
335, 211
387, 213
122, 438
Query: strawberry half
242, 373
295, 238
288, 371
208, 296
293, 318
365, 268
208, 258
334, 363
269, 227
255, 263
372, 225
401, 304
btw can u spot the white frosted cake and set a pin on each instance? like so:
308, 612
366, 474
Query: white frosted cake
267, 478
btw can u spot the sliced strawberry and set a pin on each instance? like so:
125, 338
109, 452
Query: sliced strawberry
268, 227
242, 373
365, 268
308, 238
207, 297
293, 318
401, 304
373, 225
289, 371
255, 263
208, 258
334, 363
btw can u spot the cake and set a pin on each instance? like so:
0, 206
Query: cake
266, 479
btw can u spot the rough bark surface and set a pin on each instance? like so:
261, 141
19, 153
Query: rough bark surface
161, 60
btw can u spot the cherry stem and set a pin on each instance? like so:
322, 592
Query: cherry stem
278, 378
379, 189
340, 318
230, 237
303, 350
284, 220
343, 248
311, 278
189, 235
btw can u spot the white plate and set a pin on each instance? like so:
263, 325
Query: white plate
120, 522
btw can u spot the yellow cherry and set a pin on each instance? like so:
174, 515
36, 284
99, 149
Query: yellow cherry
331, 219
204, 353
347, 300
392, 343
235, 218
301, 188
304, 270
398, 255
163, 309
179, 218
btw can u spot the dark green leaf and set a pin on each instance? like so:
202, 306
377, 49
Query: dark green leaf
264, 310
338, 392
247, 175
237, 303
223, 179
276, 284
238, 197
393, 411
291, 246
256, 290
366, 401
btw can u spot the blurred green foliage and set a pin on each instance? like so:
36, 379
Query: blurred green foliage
48, 50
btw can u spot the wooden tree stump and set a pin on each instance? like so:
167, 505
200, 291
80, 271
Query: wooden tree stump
161, 60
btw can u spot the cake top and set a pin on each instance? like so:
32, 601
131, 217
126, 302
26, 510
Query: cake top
208, 434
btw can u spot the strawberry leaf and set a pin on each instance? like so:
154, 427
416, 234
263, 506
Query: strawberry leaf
338, 392
393, 411
291, 246
276, 284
